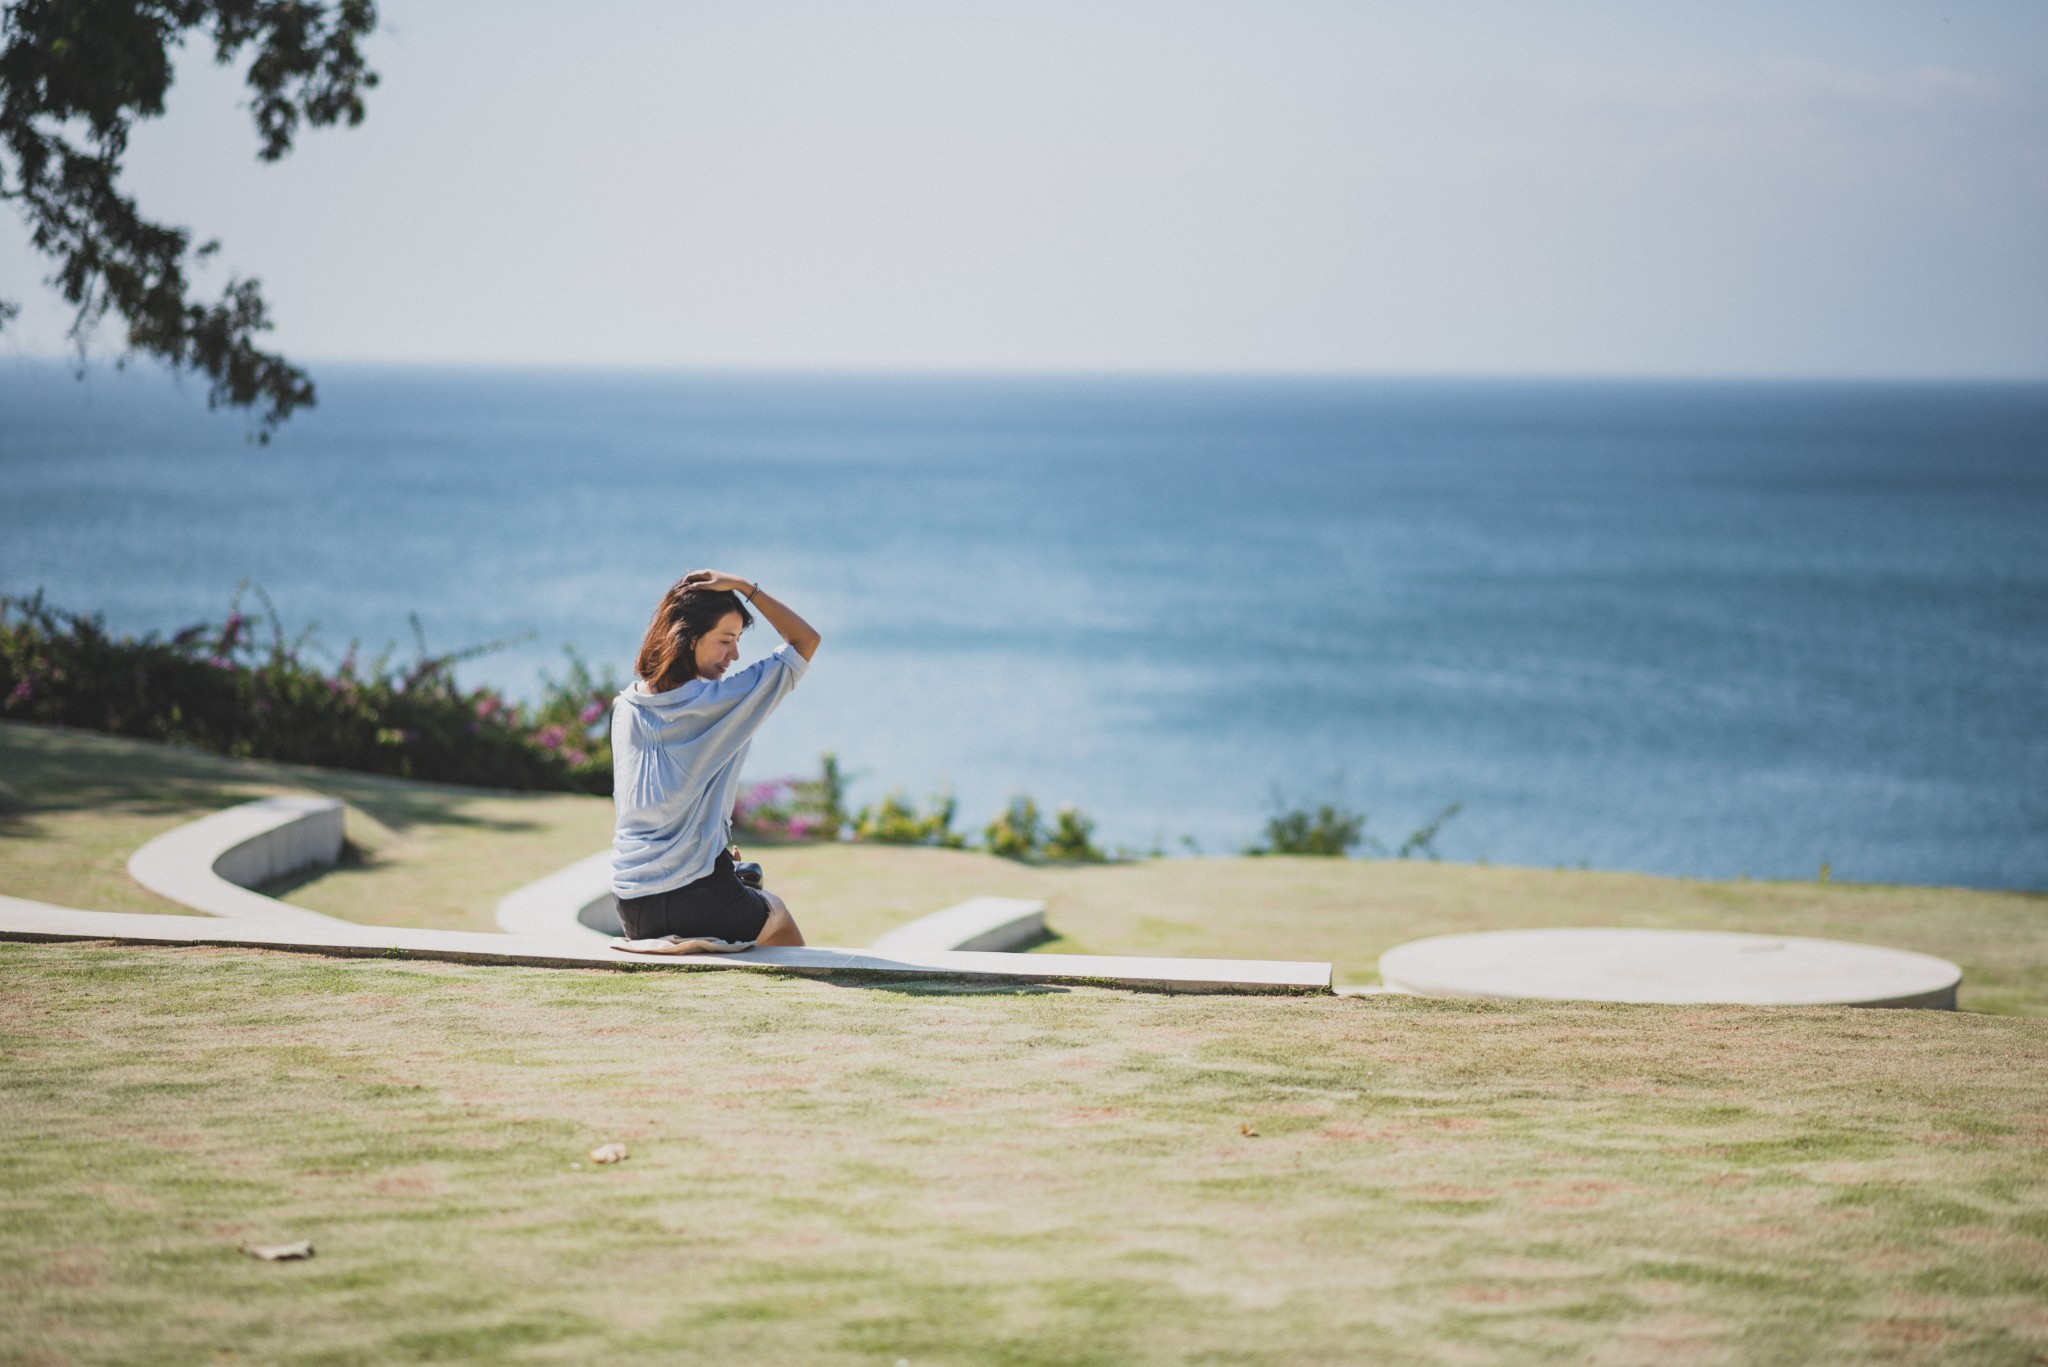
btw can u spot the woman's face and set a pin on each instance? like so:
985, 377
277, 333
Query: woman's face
719, 648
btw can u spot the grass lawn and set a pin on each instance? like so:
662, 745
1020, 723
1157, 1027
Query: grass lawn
936, 1174
77, 804
431, 855
831, 1173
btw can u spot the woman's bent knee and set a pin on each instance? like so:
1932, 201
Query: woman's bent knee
780, 929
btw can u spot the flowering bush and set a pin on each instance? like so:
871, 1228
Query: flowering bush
226, 689
795, 808
764, 809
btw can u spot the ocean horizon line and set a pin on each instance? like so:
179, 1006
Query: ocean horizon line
115, 364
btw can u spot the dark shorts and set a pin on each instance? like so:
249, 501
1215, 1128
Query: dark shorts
717, 906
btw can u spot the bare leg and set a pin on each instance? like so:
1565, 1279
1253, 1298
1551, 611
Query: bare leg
780, 928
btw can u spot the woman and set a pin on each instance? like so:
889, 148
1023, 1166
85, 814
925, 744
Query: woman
679, 738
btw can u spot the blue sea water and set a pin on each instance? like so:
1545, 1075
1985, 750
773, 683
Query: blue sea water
1699, 628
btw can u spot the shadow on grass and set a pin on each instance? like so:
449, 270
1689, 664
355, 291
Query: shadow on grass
1052, 942
55, 770
15, 821
950, 987
353, 859
404, 803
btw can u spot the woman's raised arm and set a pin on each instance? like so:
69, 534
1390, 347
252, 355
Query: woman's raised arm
780, 615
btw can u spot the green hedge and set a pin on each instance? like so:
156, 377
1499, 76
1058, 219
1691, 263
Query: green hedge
241, 689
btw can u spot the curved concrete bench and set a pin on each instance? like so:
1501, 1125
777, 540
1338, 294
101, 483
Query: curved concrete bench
263, 840
564, 903
210, 864
601, 914
985, 923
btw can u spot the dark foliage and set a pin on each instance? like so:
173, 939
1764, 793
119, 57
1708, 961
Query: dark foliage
1335, 830
1073, 838
1422, 840
1018, 831
223, 688
75, 75
1328, 830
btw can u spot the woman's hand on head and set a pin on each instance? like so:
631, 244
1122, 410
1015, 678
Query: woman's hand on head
717, 581
780, 615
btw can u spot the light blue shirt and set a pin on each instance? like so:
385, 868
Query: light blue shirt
676, 760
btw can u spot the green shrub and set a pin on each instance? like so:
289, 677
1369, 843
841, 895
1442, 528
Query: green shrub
1334, 830
1016, 833
1423, 839
1328, 830
1073, 838
222, 688
826, 794
894, 821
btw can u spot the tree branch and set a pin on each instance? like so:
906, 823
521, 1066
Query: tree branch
75, 75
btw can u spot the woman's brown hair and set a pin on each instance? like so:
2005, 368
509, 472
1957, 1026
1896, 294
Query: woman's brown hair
668, 652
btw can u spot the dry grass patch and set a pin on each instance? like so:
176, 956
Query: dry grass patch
1352, 911
440, 856
859, 1174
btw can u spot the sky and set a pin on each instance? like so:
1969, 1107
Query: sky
1544, 187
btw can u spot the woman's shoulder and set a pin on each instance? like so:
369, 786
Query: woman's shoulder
639, 699
786, 658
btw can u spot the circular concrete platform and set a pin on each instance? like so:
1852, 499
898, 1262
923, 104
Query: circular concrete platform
1673, 966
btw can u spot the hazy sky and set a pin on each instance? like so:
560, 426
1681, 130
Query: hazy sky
1610, 188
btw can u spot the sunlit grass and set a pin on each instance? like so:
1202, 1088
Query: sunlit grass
418, 853
922, 1171
442, 856
851, 1174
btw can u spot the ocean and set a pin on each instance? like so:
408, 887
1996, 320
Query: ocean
1704, 629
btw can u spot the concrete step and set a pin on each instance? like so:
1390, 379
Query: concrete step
210, 864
